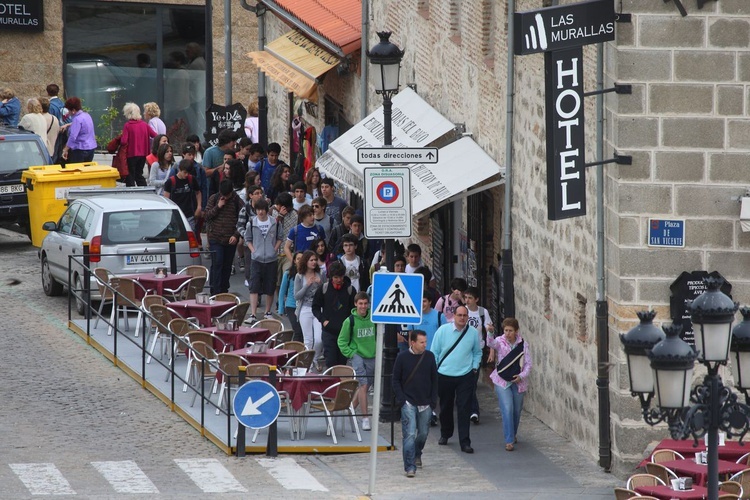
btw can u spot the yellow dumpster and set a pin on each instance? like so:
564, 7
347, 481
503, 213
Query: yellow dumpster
47, 189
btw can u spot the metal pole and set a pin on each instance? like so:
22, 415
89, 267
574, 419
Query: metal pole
272, 446
227, 52
363, 62
87, 284
713, 434
389, 413
172, 256
507, 264
376, 407
262, 99
240, 426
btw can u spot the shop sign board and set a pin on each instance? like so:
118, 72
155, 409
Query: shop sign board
686, 288
22, 15
387, 202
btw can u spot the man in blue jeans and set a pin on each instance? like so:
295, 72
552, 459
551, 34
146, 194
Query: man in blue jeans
416, 389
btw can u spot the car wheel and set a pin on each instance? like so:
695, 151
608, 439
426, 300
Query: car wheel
80, 296
51, 287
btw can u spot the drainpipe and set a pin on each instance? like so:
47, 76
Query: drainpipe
507, 264
365, 68
602, 306
260, 11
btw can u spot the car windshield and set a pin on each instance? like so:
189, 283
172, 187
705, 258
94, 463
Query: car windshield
19, 155
142, 226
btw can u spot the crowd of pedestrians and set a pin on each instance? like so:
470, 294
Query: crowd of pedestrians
304, 255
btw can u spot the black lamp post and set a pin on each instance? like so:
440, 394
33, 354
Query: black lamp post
385, 59
710, 406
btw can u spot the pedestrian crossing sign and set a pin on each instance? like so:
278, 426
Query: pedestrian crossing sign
397, 298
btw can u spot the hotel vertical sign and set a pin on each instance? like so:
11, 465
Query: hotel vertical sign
560, 32
566, 173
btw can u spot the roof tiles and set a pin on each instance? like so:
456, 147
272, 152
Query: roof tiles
339, 21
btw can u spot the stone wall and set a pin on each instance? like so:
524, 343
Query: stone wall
30, 61
686, 125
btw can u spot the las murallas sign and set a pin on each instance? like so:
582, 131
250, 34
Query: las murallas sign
561, 32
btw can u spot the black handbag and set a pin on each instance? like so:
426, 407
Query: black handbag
510, 365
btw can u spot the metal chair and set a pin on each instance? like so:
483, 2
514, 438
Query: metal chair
162, 315
103, 276
303, 359
743, 478
624, 494
229, 366
188, 289
280, 337
336, 398
180, 327
146, 303
226, 297
341, 371
236, 313
272, 325
207, 362
198, 336
293, 345
126, 298
665, 456
744, 459
731, 487
663, 473
637, 480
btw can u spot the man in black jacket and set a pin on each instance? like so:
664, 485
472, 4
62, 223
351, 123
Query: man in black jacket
415, 386
332, 304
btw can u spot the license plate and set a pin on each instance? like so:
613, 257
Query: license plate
144, 258
12, 188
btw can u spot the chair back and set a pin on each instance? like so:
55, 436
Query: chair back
195, 271
102, 277
744, 459
226, 297
624, 494
272, 325
230, 364
162, 316
303, 359
743, 478
205, 351
126, 288
661, 472
637, 480
341, 371
199, 336
345, 394
194, 286
150, 300
728, 496
180, 326
665, 455
240, 312
257, 370
731, 487
293, 345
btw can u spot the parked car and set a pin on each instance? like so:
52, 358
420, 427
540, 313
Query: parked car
125, 229
19, 150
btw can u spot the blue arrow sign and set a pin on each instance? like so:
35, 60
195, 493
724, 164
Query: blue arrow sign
397, 298
256, 404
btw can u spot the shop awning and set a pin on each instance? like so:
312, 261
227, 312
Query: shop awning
295, 61
462, 164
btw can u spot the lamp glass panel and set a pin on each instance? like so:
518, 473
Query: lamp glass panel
673, 387
713, 340
387, 77
741, 369
641, 375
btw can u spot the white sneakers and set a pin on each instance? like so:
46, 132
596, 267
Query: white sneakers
366, 424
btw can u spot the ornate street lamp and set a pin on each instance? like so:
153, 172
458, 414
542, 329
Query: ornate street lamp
385, 58
636, 342
710, 406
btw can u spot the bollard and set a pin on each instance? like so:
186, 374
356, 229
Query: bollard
172, 256
241, 427
272, 447
86, 284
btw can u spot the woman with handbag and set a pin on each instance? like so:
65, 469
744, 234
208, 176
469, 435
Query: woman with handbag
510, 377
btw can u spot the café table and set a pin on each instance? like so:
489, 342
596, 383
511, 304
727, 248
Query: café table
667, 493
238, 338
274, 357
157, 285
699, 472
202, 312
731, 450
299, 387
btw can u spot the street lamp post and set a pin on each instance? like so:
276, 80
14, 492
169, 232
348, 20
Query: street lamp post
710, 406
385, 58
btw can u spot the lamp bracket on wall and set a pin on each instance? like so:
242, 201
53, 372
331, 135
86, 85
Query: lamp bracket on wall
681, 8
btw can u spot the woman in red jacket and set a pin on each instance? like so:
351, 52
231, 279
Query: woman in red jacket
136, 135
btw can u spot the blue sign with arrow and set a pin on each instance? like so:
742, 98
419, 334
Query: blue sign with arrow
256, 404
397, 298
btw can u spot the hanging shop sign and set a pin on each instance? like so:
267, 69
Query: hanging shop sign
26, 15
687, 287
560, 32
220, 117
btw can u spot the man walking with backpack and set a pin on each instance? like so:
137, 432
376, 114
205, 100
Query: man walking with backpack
458, 353
222, 211
183, 189
480, 319
332, 305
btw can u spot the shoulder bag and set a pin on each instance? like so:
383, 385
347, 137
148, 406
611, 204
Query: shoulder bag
466, 329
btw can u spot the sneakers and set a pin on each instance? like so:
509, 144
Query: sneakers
268, 315
433, 420
418, 462
411, 473
234, 270
241, 262
247, 285
366, 424
475, 418
251, 319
